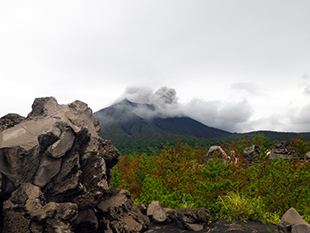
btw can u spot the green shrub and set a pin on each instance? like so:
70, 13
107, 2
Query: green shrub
215, 181
281, 184
235, 206
177, 176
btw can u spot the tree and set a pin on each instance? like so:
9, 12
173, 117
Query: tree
299, 146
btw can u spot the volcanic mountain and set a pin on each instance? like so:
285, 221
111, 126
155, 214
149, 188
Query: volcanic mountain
126, 120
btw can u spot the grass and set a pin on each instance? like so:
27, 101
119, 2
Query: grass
235, 206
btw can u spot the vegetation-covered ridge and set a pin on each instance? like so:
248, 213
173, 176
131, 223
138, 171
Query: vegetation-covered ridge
143, 146
178, 176
147, 145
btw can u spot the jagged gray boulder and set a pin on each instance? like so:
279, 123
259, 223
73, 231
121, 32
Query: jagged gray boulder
121, 214
250, 153
291, 221
55, 171
282, 150
26, 211
48, 149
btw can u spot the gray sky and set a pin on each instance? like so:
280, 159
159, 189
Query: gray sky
236, 65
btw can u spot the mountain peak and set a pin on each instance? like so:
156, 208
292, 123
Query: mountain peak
132, 105
124, 102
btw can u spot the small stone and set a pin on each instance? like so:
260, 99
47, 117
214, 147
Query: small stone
159, 215
151, 207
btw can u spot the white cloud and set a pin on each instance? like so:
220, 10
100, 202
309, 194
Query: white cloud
246, 87
300, 118
242, 54
224, 115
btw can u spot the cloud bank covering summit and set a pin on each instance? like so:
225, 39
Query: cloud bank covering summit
239, 65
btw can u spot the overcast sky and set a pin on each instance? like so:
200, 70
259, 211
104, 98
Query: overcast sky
236, 65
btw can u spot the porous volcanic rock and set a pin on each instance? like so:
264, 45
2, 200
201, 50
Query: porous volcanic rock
10, 120
121, 214
26, 211
55, 172
250, 153
282, 150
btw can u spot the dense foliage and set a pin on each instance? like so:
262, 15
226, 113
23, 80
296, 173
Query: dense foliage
143, 146
179, 176
127, 145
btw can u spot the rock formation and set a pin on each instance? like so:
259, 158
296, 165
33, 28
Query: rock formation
55, 171
158, 214
192, 219
220, 153
250, 153
281, 150
291, 221
187, 219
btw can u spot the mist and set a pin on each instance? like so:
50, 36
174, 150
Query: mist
149, 104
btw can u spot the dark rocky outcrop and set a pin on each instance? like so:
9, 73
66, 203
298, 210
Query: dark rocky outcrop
27, 211
10, 120
281, 150
120, 213
188, 219
291, 221
55, 171
192, 219
250, 153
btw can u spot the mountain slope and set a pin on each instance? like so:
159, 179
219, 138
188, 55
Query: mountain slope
185, 126
133, 121
271, 135
134, 127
